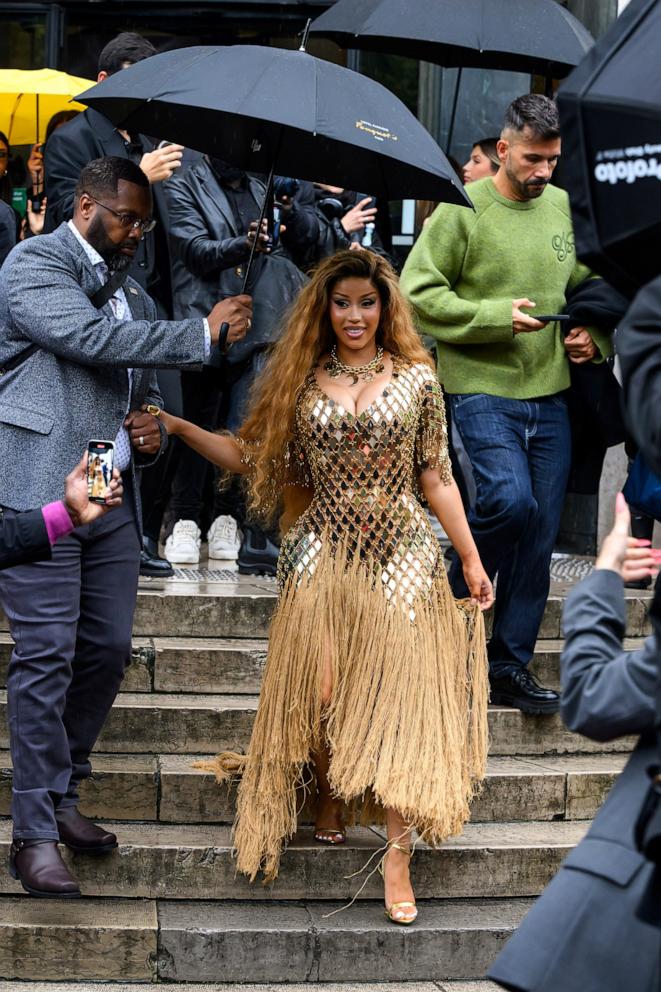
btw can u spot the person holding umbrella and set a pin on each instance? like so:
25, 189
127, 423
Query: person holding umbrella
348, 423
473, 279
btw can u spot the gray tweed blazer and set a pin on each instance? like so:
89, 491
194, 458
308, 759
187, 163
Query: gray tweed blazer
75, 387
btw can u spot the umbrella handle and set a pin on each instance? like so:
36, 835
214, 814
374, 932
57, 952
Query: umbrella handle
222, 337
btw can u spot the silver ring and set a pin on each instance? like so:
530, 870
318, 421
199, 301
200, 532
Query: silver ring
141, 440
248, 323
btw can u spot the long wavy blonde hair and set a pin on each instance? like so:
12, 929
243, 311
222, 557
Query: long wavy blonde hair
308, 334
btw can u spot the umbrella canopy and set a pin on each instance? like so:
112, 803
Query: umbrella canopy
29, 98
261, 108
610, 111
520, 35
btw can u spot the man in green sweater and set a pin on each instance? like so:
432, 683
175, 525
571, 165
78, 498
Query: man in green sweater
473, 277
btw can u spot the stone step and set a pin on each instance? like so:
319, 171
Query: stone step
396, 986
106, 939
131, 940
167, 723
154, 861
243, 608
235, 665
303, 943
167, 788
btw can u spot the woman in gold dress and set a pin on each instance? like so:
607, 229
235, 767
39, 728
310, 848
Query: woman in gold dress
375, 677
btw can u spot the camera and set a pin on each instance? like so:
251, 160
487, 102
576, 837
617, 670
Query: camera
331, 208
282, 187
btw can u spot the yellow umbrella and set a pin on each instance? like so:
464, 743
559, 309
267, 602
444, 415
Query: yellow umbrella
29, 98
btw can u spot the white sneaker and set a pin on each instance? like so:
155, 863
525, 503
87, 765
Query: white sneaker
224, 539
183, 545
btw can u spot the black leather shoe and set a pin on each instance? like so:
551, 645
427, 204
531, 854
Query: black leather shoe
257, 555
151, 564
81, 834
522, 690
38, 866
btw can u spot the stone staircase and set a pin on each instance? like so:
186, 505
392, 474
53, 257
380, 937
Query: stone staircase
167, 905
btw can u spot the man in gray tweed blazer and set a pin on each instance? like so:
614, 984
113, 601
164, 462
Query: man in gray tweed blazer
87, 374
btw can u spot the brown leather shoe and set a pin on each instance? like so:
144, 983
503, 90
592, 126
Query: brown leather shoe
38, 866
81, 834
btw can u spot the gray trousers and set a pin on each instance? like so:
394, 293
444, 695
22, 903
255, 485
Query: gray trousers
71, 620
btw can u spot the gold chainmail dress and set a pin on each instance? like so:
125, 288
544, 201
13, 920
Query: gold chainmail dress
362, 584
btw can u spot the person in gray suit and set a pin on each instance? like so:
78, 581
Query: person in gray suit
583, 934
77, 367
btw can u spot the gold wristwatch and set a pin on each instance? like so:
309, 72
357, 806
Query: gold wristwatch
153, 409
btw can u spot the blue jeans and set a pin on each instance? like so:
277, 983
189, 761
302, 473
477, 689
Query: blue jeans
520, 451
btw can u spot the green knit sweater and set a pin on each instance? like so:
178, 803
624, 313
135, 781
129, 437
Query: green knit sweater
463, 273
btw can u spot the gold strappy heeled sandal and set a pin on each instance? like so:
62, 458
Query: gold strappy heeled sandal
332, 835
398, 906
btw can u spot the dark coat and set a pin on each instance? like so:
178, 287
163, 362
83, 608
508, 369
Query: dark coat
23, 538
595, 405
7, 230
582, 934
639, 348
209, 256
69, 149
331, 236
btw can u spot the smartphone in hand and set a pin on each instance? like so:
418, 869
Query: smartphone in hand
100, 463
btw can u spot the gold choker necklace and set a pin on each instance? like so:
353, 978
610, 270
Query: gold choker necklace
336, 368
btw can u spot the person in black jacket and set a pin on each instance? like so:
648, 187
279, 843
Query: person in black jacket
27, 537
69, 148
639, 349
214, 209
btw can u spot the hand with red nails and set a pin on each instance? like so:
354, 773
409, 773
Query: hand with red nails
630, 557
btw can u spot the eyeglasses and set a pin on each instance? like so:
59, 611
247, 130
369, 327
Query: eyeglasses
129, 220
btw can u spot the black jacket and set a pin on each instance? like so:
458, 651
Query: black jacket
332, 237
639, 348
209, 256
23, 538
595, 409
69, 149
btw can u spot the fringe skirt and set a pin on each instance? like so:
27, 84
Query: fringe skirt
406, 726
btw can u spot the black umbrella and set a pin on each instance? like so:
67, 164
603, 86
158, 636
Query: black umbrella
610, 111
266, 108
519, 35
270, 110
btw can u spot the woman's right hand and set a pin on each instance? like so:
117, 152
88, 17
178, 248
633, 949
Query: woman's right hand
631, 558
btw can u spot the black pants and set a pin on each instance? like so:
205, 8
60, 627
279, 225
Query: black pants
157, 481
213, 398
202, 402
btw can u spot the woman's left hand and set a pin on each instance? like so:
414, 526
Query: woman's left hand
479, 584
